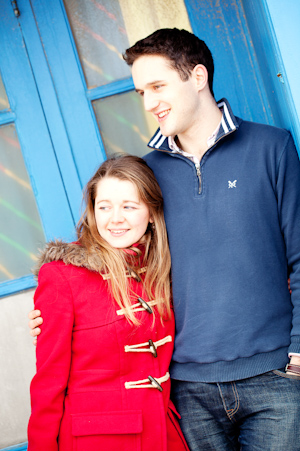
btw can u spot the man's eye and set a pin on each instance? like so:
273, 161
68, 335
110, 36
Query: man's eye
156, 87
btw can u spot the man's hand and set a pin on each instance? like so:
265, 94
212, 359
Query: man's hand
35, 321
295, 360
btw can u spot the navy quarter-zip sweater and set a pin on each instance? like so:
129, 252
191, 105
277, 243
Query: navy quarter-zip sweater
234, 233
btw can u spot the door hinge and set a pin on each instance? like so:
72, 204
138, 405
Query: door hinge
15, 8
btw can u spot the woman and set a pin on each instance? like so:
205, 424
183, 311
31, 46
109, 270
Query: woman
102, 378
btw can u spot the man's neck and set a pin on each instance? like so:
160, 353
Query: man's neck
195, 142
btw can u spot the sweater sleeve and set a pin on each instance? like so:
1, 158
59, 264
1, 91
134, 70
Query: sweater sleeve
53, 358
288, 191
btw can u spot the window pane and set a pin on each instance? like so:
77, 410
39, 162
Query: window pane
3, 98
123, 124
103, 29
21, 232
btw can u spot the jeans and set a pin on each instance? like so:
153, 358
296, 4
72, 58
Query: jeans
261, 413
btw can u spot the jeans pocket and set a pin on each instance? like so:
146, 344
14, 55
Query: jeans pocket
282, 373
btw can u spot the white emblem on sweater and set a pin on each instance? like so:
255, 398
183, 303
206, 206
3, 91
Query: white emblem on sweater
232, 184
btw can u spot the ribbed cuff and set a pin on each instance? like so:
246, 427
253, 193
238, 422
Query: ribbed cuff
294, 347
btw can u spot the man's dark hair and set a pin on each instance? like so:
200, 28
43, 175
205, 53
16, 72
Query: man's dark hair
182, 48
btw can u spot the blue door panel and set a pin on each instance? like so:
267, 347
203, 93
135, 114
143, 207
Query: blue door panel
265, 40
223, 26
248, 67
85, 140
32, 129
51, 108
27, 114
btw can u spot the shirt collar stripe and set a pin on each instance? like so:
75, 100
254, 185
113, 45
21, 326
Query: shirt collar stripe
159, 143
224, 126
229, 118
155, 138
228, 124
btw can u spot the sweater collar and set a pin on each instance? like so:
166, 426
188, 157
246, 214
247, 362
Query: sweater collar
229, 124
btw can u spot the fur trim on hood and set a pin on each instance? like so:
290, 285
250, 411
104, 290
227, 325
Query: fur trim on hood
71, 254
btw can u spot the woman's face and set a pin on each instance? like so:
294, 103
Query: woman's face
122, 218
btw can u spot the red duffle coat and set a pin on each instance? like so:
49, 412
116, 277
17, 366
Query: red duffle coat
91, 390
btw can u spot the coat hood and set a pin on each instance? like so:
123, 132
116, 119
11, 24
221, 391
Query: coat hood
71, 254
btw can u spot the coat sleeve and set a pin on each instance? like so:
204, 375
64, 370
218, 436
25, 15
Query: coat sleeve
288, 191
53, 297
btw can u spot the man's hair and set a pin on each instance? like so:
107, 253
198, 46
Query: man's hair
183, 49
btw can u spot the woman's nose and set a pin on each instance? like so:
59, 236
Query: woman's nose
117, 215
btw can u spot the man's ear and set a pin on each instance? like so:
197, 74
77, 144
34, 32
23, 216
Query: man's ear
200, 76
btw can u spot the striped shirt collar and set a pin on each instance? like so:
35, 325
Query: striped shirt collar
175, 149
227, 125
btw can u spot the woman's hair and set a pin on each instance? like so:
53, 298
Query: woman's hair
116, 262
183, 49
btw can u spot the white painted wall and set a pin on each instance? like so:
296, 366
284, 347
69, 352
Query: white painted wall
17, 367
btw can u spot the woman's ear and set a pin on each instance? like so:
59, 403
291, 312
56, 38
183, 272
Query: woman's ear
200, 75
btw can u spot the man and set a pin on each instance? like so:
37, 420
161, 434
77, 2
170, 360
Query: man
232, 207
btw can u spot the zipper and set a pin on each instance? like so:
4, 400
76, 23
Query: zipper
198, 170
198, 165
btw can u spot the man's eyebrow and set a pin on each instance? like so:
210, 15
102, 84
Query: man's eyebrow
150, 83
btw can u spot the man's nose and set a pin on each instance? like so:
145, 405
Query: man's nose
150, 101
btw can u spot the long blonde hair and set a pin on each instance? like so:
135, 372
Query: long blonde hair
116, 262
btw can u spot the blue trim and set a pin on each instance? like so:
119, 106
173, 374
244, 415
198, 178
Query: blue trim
51, 108
117, 87
34, 137
288, 37
114, 88
6, 117
290, 116
20, 447
32, 130
16, 285
70, 86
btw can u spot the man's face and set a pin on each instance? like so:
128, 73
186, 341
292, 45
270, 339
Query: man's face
174, 103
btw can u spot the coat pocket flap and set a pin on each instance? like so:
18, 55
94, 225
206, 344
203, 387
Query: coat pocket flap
128, 422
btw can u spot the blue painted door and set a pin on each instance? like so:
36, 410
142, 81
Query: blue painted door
29, 161
62, 124
66, 123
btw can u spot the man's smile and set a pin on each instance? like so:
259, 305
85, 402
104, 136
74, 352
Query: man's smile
162, 114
